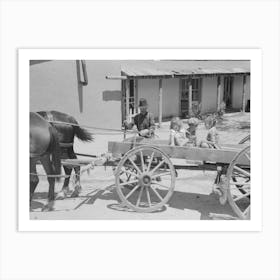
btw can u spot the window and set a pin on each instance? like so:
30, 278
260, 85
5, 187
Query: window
196, 94
132, 91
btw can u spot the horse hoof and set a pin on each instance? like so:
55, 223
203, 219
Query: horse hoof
75, 193
66, 190
60, 195
47, 208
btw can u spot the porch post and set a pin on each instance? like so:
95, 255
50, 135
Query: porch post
244, 94
160, 103
127, 99
218, 93
190, 97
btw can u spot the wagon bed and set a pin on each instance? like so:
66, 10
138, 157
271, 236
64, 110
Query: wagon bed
145, 175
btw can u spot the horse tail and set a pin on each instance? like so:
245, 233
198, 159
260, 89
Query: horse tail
81, 133
55, 151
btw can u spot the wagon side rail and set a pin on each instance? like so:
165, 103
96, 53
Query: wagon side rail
224, 155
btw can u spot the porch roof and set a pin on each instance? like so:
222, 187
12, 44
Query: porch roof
181, 68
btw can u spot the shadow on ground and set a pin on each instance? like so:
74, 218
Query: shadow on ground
202, 203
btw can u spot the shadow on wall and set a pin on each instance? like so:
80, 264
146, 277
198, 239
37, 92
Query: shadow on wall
112, 95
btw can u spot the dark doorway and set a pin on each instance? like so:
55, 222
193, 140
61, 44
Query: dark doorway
228, 82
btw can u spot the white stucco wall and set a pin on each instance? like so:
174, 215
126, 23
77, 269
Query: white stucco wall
54, 86
170, 100
149, 89
209, 94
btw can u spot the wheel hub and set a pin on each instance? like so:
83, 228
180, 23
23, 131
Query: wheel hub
145, 180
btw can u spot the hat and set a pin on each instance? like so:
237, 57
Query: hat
143, 102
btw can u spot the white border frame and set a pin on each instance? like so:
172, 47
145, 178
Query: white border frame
24, 222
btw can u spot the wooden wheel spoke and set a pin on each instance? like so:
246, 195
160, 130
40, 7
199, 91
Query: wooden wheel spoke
241, 197
130, 173
159, 184
156, 192
246, 211
148, 197
158, 166
135, 166
238, 175
242, 171
139, 197
142, 161
240, 184
129, 182
132, 191
248, 156
150, 162
161, 174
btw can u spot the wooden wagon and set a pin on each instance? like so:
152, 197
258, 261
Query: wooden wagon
146, 173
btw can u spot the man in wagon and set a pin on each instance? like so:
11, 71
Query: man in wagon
144, 121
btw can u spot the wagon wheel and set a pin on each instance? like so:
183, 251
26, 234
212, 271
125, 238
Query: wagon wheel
239, 184
245, 139
145, 179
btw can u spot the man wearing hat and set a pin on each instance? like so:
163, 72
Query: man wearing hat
144, 121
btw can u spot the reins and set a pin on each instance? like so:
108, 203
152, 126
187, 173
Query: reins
85, 169
116, 131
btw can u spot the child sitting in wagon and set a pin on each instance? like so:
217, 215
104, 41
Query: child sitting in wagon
191, 131
212, 138
179, 136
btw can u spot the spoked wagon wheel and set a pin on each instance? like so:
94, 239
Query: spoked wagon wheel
239, 184
145, 179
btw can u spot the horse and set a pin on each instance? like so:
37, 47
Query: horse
66, 133
44, 146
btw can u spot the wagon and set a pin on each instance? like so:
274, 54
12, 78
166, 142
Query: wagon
146, 172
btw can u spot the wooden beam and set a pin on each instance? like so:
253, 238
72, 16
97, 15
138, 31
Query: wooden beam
218, 93
190, 113
126, 99
244, 94
197, 154
160, 103
116, 77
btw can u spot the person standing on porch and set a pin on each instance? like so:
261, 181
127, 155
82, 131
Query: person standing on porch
144, 121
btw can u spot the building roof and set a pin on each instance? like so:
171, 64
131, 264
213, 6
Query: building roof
181, 68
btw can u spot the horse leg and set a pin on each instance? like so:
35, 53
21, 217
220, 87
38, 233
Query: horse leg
65, 189
77, 169
34, 180
49, 171
78, 187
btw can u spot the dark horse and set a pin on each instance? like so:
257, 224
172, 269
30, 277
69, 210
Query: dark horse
66, 134
44, 147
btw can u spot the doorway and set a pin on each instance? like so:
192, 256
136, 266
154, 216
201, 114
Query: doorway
228, 82
184, 96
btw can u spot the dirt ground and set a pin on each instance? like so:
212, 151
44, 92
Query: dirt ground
192, 199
